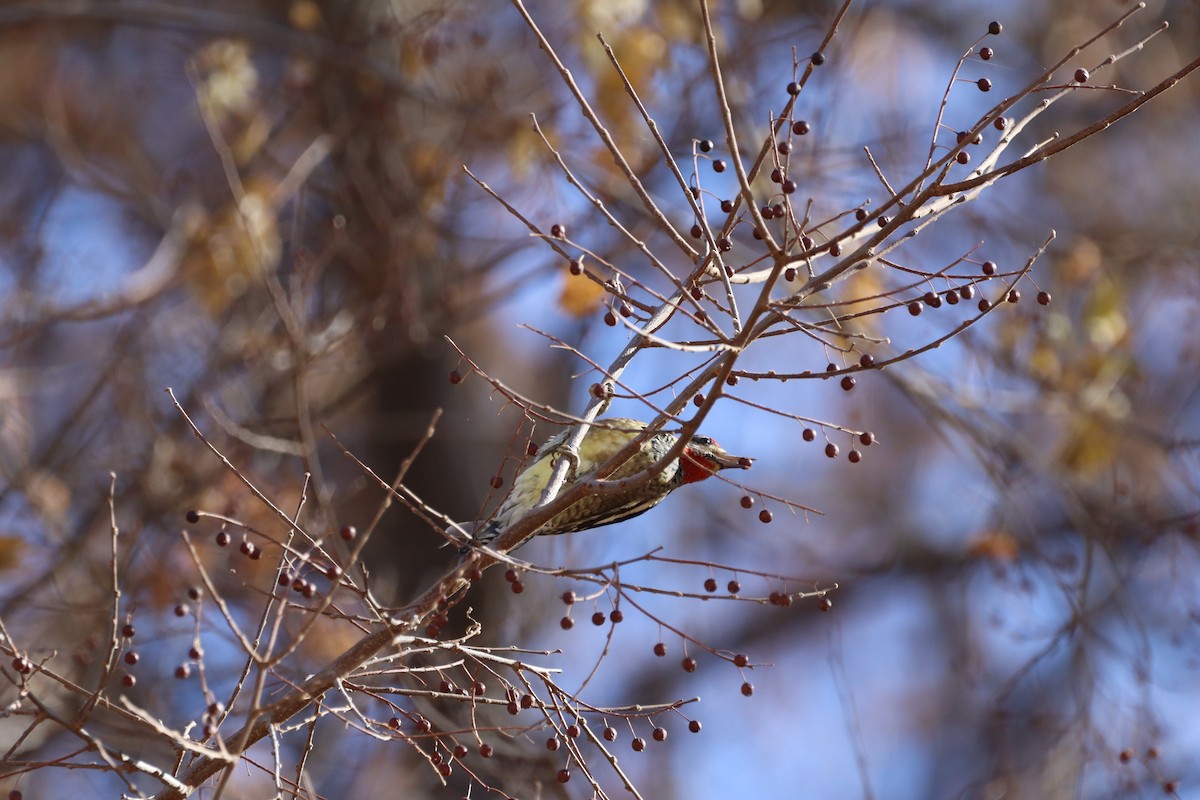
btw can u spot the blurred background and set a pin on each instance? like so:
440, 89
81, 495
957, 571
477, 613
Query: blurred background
262, 206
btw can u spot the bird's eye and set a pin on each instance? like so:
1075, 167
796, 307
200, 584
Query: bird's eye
703, 441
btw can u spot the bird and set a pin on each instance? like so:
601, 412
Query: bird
701, 459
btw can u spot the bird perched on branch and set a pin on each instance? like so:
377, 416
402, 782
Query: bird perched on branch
701, 458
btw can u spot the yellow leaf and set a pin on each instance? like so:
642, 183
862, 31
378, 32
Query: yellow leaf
580, 295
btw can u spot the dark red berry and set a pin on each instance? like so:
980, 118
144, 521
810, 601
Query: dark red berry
867, 438
718, 166
831, 450
793, 88
564, 775
809, 435
825, 604
984, 305
558, 231
801, 127
966, 292
740, 660
783, 148
1043, 298
223, 539
1013, 296
986, 53
192, 517
747, 501
860, 214
455, 377
915, 308
348, 533
610, 734
660, 734
765, 515
1081, 75
733, 587
994, 28
517, 587
131, 657
694, 726
706, 145
660, 649
617, 615
511, 575
710, 585
610, 319
181, 610
726, 206
984, 85
638, 744
552, 743
474, 574
526, 701
747, 688
128, 631
497, 481
989, 268
866, 361
963, 157
568, 597
574, 267
183, 672
776, 177
128, 681
789, 186
817, 58
688, 664
848, 383
854, 456
598, 618
697, 231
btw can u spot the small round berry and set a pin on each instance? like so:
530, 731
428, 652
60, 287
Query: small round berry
765, 516
348, 533
558, 231
1043, 298
741, 660
793, 88
915, 308
568, 597
223, 539
552, 743
333, 572
818, 58
994, 28
564, 775
1081, 75
718, 166
517, 587
526, 701
986, 53
747, 501
776, 177
460, 752
1126, 756
128, 631
511, 575
732, 380
789, 186
638, 744
966, 292
952, 297
694, 726
424, 725
831, 450
848, 383
988, 268
660, 649
183, 672
867, 438
809, 435
1013, 296
1151, 753
883, 222
783, 148
478, 688
610, 734
963, 157
128, 681
825, 604
710, 585
698, 400
598, 618
474, 574
444, 770
801, 127
513, 708
446, 687
394, 723
659, 734
866, 361
747, 688
610, 319
192, 517
131, 657
984, 305
1000, 124
860, 214
706, 145
194, 653
572, 731
688, 664
575, 267
617, 616
984, 85
181, 610
697, 231
854, 456
497, 481
932, 300
789, 274
733, 587
726, 206
194, 592
455, 377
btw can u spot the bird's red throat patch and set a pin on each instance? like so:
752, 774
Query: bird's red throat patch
695, 466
